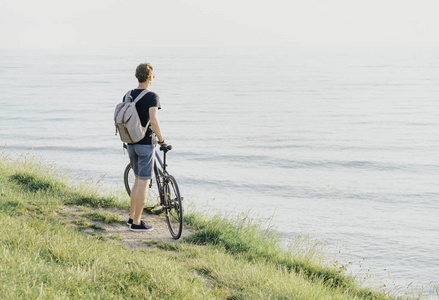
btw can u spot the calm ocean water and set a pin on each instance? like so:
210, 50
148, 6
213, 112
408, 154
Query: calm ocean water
338, 144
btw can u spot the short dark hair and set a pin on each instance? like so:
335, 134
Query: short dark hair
144, 71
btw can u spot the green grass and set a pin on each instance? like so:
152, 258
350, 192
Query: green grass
103, 216
46, 183
246, 238
41, 257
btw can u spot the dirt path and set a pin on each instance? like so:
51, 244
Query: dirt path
78, 216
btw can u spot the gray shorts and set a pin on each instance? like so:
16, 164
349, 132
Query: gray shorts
142, 160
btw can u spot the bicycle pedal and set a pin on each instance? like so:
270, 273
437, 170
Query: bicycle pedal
153, 210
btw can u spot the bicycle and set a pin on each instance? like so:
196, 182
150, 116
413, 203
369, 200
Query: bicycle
163, 191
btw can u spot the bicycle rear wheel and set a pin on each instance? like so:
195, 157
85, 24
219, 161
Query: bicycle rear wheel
173, 208
128, 179
153, 191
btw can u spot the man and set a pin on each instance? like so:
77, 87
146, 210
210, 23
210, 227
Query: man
142, 153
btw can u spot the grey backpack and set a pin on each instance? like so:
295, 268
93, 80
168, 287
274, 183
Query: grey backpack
127, 121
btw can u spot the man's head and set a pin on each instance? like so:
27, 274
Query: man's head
144, 72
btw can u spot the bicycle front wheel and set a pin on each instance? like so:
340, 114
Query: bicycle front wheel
173, 208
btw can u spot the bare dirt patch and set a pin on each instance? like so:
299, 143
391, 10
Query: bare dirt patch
76, 216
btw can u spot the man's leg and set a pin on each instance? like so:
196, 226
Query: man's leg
138, 199
133, 197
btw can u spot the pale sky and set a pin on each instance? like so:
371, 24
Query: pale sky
204, 23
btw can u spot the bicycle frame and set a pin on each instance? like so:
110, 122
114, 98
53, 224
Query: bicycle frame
158, 162
160, 174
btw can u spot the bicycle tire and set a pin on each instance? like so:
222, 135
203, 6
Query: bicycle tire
153, 191
128, 179
173, 208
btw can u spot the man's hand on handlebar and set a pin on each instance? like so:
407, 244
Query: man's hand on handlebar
163, 143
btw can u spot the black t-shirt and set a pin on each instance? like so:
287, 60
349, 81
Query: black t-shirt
151, 99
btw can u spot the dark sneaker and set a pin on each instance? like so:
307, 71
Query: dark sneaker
141, 227
130, 222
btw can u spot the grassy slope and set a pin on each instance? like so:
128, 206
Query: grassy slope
41, 257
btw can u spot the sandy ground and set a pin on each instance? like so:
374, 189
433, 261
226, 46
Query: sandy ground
130, 239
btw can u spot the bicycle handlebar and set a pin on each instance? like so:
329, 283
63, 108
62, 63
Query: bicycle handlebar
166, 148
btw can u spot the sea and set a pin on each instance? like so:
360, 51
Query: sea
338, 145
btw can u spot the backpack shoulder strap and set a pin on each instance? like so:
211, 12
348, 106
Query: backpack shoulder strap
127, 97
143, 93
